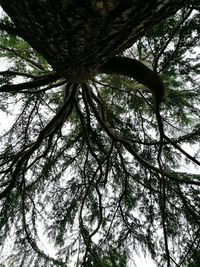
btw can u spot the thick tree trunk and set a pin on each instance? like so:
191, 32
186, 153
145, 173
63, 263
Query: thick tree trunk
77, 37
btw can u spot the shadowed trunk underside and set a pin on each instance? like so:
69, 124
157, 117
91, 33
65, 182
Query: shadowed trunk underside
77, 37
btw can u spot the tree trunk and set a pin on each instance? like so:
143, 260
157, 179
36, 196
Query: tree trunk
77, 37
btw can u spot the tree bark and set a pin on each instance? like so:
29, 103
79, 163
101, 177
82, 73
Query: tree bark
77, 37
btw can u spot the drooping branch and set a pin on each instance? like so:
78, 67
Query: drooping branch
18, 73
50, 129
128, 144
43, 80
16, 53
137, 70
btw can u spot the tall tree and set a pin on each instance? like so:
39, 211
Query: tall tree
91, 157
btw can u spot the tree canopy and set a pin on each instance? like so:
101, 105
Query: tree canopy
93, 161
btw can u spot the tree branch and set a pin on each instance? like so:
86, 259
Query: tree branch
43, 80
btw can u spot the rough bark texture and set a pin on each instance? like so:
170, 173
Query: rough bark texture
76, 36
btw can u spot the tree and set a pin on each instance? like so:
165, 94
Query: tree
90, 157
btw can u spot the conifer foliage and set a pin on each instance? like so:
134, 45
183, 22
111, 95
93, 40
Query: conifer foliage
89, 161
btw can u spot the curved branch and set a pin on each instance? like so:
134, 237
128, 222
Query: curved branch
51, 127
43, 80
18, 73
28, 60
128, 145
135, 69
182, 150
27, 231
